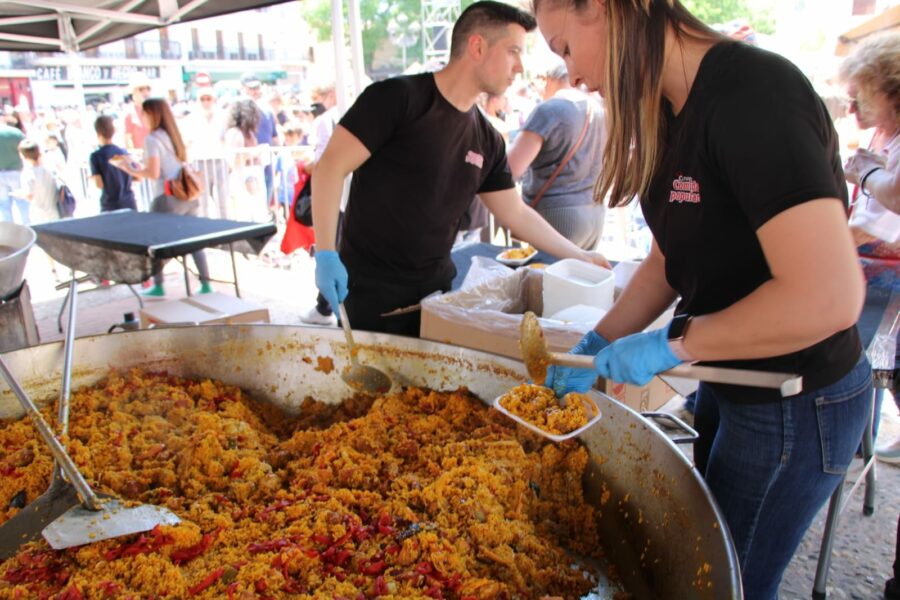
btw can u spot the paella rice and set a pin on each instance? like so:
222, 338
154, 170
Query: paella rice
416, 494
539, 406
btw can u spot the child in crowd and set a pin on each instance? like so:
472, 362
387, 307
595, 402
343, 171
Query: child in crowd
37, 184
286, 175
114, 182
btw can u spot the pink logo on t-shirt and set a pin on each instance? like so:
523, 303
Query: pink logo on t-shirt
473, 158
685, 189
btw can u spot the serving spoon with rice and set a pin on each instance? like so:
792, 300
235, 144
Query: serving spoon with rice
537, 358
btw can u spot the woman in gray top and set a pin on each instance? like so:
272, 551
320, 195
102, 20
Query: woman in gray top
164, 153
548, 135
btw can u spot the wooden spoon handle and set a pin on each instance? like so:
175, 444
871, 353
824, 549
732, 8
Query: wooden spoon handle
788, 383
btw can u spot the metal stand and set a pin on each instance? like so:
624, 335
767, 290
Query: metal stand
836, 507
136, 295
187, 281
882, 354
237, 290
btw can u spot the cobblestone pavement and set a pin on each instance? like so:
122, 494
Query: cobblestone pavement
863, 548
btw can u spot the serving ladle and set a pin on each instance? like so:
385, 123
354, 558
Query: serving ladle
537, 358
361, 378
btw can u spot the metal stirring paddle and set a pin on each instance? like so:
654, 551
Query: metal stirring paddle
70, 513
361, 378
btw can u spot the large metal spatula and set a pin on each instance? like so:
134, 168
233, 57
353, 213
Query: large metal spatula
28, 523
537, 358
70, 513
94, 518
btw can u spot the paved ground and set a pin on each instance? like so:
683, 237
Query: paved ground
864, 546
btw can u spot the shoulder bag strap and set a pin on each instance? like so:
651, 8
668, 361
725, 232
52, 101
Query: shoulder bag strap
588, 118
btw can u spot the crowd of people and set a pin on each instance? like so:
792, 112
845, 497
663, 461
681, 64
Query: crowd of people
247, 147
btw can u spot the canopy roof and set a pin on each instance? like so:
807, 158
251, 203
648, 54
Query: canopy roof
889, 20
64, 25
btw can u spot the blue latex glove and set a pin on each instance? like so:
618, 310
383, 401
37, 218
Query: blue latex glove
331, 277
636, 358
569, 379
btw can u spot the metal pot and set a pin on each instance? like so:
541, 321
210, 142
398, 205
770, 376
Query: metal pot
661, 528
15, 242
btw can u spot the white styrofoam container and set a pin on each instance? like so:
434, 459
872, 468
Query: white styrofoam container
570, 282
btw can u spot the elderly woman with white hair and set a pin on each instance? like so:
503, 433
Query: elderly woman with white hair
558, 154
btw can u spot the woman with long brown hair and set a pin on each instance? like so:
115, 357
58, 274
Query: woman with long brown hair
164, 155
735, 162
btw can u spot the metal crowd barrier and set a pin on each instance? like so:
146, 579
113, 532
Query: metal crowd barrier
234, 184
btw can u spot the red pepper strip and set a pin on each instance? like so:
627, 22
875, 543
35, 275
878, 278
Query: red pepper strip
434, 593
256, 548
37, 568
230, 590
360, 533
385, 524
71, 593
180, 557
454, 582
260, 585
207, 581
145, 544
109, 588
235, 471
324, 540
277, 506
424, 568
381, 587
374, 568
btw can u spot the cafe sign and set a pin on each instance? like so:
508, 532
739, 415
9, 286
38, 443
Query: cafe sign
95, 73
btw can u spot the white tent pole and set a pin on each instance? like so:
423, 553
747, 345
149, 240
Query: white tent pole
356, 49
340, 60
76, 77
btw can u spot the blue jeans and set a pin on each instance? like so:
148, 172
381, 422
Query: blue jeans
771, 467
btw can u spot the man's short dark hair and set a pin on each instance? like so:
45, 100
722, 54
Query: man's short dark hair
483, 16
105, 127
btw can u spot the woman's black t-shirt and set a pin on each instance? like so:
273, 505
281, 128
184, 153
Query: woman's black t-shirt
428, 161
752, 140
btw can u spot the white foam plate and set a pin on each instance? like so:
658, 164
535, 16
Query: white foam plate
514, 262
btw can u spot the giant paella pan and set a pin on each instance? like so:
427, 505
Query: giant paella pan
661, 533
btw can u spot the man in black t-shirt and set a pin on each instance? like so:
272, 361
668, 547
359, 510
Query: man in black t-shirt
419, 150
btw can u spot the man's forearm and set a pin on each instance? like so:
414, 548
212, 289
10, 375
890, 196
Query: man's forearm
529, 226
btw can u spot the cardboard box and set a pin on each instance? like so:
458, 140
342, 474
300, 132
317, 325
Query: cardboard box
487, 317
204, 308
